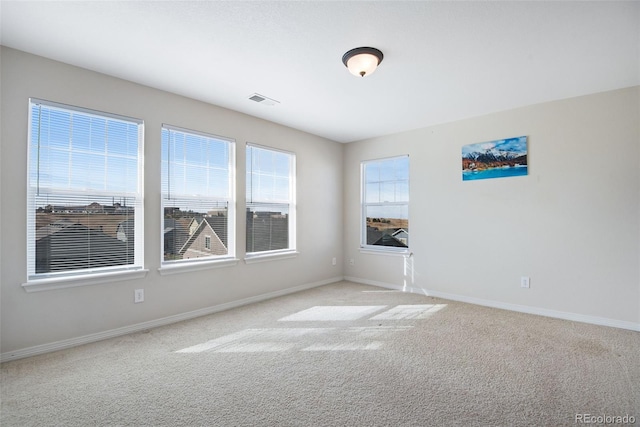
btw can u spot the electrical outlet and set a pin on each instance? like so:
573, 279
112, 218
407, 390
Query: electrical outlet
334, 261
138, 295
524, 282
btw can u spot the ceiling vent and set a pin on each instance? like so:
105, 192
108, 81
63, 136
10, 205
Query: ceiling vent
263, 99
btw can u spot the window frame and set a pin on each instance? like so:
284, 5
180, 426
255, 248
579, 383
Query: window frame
212, 261
91, 275
364, 247
291, 251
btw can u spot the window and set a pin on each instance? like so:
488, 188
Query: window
197, 196
385, 204
85, 192
270, 200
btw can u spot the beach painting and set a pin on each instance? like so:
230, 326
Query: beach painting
495, 159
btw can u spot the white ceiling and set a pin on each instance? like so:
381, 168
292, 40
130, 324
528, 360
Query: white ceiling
443, 61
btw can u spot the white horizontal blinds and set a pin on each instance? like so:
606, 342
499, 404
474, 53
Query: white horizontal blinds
196, 195
386, 202
270, 199
85, 194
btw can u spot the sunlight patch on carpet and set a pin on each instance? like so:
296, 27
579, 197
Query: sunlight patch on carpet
374, 345
376, 331
257, 347
255, 340
348, 338
391, 291
400, 312
269, 340
333, 313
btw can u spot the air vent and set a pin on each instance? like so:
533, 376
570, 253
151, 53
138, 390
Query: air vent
263, 99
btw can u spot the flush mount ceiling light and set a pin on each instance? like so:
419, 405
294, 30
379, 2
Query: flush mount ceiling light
362, 61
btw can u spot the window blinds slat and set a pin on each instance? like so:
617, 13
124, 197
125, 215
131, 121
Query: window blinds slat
269, 199
268, 175
267, 227
197, 195
84, 194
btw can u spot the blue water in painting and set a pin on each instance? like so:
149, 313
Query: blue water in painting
494, 173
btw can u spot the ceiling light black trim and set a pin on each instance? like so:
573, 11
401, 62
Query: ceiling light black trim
357, 51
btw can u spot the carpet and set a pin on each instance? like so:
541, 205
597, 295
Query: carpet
343, 354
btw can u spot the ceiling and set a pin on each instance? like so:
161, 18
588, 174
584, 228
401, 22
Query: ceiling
443, 61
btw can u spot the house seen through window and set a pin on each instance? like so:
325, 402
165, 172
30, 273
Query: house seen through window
85, 194
385, 204
197, 183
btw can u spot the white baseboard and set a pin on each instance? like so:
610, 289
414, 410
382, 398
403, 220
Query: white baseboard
86, 339
602, 321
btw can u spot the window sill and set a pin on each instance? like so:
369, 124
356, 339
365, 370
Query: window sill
270, 256
196, 266
51, 283
391, 252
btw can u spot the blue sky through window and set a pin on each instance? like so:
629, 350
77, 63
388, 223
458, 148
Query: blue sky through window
387, 181
75, 151
195, 165
268, 175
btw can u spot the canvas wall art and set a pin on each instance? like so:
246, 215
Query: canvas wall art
495, 159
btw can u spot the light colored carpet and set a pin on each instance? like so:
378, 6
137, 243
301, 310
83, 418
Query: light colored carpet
339, 355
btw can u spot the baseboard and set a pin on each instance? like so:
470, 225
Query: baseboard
602, 321
138, 327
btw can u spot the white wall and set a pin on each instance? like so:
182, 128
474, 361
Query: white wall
40, 318
572, 224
